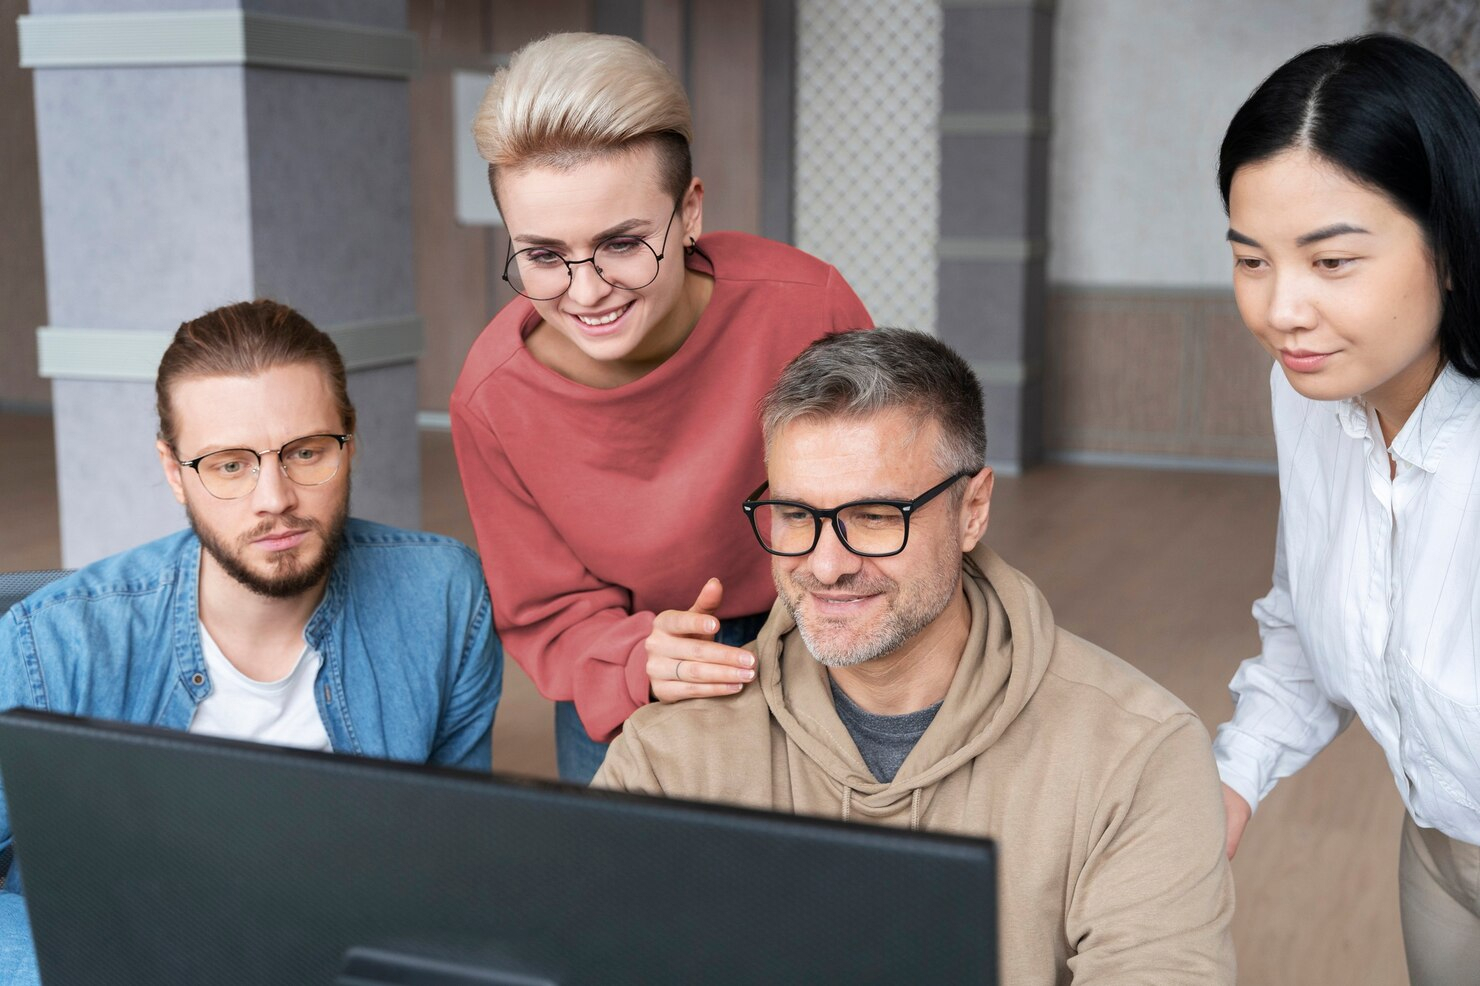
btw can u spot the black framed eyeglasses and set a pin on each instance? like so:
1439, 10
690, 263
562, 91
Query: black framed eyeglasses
230, 473
871, 528
627, 262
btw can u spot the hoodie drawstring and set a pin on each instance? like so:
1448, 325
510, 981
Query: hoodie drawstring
914, 806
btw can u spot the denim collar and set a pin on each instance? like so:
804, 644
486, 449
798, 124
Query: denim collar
189, 657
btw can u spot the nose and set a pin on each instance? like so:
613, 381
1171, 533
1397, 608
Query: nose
1290, 306
586, 286
830, 561
275, 493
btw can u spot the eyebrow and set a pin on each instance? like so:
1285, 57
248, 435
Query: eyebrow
620, 229
1326, 232
1314, 236
773, 495
212, 449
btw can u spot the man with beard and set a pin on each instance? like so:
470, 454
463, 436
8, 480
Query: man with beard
908, 676
274, 617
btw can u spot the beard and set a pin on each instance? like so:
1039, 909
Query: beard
842, 643
289, 573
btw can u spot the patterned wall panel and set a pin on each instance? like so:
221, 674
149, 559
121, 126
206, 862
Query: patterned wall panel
868, 149
1449, 27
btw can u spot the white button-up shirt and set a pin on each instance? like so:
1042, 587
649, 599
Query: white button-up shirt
1375, 608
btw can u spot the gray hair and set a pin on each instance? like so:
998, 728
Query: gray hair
860, 374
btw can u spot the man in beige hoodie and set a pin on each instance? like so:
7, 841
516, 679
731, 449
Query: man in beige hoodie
908, 676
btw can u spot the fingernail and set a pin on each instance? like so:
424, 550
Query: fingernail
714, 626
749, 660
734, 688
747, 675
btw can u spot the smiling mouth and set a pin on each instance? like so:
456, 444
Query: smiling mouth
1303, 361
835, 603
596, 321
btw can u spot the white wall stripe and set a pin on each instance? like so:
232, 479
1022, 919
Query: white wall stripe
119, 354
214, 37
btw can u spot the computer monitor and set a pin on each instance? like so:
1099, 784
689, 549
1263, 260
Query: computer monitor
157, 857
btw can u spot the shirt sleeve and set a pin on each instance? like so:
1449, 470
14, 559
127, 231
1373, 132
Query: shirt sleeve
1282, 717
627, 767
18, 689
1153, 902
574, 634
17, 952
464, 733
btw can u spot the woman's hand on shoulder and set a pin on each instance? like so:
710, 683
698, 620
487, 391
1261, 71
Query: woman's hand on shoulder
684, 660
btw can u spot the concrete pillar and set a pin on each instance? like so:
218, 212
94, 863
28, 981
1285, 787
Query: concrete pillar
195, 157
995, 76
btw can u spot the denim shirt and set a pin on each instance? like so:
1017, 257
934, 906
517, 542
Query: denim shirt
412, 669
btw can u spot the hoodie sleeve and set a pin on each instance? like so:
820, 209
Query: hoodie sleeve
1154, 900
627, 767
576, 636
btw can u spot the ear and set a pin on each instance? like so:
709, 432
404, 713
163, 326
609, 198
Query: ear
693, 211
171, 467
975, 507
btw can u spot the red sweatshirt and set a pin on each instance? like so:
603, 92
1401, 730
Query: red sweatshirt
596, 509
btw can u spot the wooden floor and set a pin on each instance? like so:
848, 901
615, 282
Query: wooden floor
1159, 567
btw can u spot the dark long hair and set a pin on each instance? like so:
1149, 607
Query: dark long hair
1395, 117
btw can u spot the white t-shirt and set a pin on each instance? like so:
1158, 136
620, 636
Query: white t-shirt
281, 712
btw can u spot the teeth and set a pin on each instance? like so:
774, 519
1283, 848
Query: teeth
605, 319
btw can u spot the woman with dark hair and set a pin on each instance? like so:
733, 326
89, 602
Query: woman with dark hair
1352, 182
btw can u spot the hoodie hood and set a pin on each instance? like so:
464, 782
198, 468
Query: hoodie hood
1007, 653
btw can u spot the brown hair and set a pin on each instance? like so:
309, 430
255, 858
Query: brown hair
243, 340
568, 98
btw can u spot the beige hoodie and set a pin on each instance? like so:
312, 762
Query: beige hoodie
1097, 784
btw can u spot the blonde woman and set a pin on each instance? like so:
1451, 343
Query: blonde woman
604, 420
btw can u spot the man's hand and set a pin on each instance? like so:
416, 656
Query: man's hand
1238, 812
684, 661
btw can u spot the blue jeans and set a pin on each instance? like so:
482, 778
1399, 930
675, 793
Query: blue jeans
578, 756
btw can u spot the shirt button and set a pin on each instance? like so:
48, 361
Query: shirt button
197, 679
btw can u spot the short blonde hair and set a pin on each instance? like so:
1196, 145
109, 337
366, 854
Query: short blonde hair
567, 98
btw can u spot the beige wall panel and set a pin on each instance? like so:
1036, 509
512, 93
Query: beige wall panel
725, 86
1169, 373
452, 260
1235, 379
514, 22
457, 267
663, 31
1116, 368
22, 269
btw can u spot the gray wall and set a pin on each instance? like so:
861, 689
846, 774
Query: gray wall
1146, 361
171, 188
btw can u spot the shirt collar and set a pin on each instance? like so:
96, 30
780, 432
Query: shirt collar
1430, 429
1352, 414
